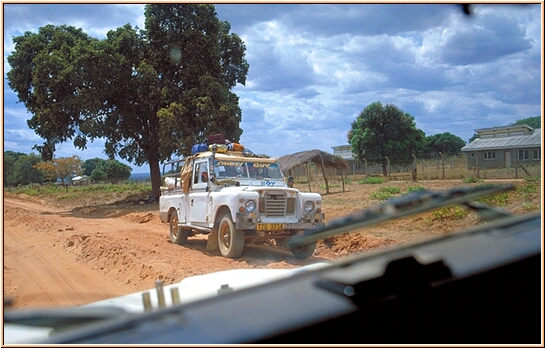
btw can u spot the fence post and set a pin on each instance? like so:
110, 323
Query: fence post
442, 165
414, 167
308, 177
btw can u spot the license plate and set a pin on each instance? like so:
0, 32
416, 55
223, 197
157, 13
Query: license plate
270, 227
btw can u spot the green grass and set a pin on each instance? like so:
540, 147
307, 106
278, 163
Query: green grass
471, 180
385, 193
498, 199
381, 196
455, 212
373, 180
415, 189
60, 192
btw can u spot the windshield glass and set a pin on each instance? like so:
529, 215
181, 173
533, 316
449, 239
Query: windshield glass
247, 170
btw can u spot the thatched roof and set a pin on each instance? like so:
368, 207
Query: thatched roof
317, 157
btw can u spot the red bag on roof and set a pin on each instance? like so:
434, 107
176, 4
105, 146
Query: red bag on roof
216, 139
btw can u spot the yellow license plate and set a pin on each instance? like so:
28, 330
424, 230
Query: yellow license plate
270, 227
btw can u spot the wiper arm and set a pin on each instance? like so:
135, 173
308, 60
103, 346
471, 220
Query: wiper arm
61, 318
413, 203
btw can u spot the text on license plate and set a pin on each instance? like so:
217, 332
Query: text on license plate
269, 227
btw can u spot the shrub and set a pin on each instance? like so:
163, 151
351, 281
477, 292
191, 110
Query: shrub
415, 189
371, 180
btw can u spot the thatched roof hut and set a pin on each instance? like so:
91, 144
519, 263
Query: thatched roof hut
319, 158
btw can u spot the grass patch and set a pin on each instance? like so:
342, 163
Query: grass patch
498, 199
381, 196
73, 192
455, 212
415, 189
373, 180
471, 180
385, 193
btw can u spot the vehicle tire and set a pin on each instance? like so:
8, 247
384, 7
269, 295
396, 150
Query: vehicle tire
178, 235
230, 240
303, 251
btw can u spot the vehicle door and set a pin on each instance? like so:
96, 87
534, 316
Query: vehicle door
198, 196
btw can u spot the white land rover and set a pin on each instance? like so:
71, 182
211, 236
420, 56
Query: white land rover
236, 198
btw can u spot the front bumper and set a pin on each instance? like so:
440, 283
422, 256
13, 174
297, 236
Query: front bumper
254, 222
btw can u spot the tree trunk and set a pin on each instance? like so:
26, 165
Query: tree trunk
384, 171
155, 177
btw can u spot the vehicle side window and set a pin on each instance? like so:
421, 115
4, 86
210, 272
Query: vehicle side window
201, 173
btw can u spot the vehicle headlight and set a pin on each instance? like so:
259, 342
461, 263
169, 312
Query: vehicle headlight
250, 205
309, 206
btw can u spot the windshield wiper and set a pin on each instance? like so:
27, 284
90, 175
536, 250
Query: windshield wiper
61, 318
413, 203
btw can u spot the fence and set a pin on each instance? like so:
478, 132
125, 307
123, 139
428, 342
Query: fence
450, 168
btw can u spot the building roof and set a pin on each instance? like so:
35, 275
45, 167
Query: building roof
532, 139
515, 129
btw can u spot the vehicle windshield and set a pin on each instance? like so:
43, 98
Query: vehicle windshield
247, 170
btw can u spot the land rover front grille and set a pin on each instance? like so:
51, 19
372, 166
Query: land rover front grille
274, 203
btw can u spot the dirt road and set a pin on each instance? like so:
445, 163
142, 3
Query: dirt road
71, 253
57, 257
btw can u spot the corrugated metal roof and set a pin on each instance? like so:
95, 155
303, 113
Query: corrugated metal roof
511, 142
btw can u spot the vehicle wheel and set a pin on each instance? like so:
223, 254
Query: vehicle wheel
303, 251
230, 240
178, 235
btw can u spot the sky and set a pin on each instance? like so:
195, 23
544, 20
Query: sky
315, 67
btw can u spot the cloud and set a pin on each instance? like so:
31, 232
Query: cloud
94, 19
490, 36
315, 67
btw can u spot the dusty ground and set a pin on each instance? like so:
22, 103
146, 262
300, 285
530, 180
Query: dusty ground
72, 253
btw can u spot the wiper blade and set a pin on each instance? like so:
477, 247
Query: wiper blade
411, 204
60, 318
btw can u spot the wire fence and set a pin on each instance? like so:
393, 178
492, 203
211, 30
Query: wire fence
448, 168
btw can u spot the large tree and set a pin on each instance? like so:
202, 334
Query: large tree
385, 131
150, 93
446, 143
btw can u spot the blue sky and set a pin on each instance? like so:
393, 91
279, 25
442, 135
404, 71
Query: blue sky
315, 67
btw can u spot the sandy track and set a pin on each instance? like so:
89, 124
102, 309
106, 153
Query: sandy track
72, 253
57, 257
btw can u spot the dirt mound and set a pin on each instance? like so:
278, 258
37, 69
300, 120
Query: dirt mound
140, 218
357, 242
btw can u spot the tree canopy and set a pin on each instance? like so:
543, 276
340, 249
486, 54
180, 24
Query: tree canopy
150, 93
446, 143
19, 169
106, 170
534, 122
63, 168
385, 131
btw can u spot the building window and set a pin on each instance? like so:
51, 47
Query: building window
473, 155
523, 155
537, 154
489, 155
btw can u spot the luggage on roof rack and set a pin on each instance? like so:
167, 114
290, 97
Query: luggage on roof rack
216, 139
201, 147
